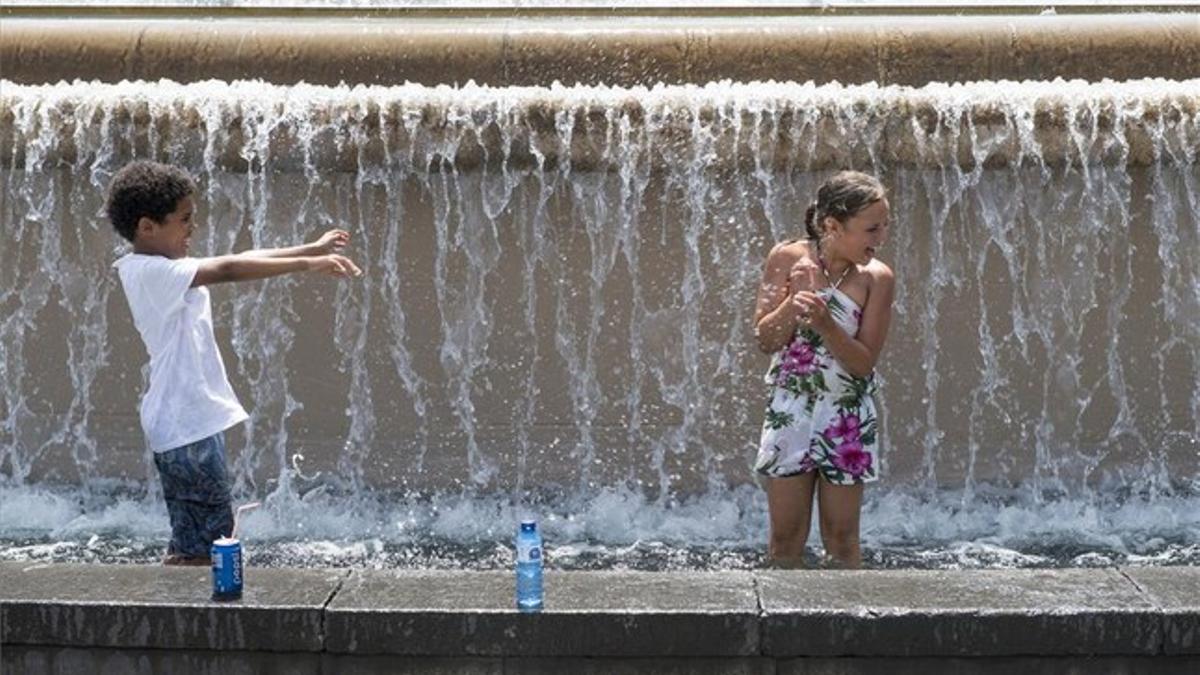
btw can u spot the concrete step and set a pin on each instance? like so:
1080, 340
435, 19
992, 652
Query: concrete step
330, 620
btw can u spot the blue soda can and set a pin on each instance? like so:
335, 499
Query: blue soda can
227, 569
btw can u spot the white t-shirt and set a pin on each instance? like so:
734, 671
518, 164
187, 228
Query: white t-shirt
189, 398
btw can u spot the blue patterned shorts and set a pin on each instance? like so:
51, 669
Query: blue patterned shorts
196, 487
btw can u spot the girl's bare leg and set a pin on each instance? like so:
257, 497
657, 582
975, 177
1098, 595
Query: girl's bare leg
789, 502
840, 506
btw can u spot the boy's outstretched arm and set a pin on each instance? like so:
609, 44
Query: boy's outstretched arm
240, 267
332, 241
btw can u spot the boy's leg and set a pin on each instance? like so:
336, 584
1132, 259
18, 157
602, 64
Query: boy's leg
196, 488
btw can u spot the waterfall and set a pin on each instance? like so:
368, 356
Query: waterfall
560, 280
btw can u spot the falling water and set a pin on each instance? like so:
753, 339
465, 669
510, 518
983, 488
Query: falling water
556, 315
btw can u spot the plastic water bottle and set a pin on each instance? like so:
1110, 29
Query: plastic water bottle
529, 567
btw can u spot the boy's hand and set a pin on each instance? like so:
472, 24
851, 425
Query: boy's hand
332, 241
335, 265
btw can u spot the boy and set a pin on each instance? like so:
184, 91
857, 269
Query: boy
189, 403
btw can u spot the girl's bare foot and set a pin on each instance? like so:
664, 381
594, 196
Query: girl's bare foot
785, 563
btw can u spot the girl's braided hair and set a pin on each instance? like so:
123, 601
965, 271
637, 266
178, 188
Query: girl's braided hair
844, 194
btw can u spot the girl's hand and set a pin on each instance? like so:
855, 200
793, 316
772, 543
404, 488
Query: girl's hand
802, 276
812, 312
335, 265
332, 241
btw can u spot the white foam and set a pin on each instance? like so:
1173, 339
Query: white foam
1005, 529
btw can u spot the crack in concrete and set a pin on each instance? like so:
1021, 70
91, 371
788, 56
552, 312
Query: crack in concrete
761, 613
1163, 623
130, 59
325, 606
506, 53
689, 38
758, 605
1138, 586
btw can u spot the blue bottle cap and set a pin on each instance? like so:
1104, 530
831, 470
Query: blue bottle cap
529, 526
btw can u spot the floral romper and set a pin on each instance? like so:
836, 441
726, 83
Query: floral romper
820, 417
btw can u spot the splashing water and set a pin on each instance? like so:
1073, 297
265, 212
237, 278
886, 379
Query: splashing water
556, 316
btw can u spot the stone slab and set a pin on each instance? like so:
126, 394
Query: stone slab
395, 664
597, 614
132, 606
956, 613
36, 660
54, 615
619, 50
639, 666
48, 660
994, 665
1176, 592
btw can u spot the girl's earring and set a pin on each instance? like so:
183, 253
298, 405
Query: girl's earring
832, 236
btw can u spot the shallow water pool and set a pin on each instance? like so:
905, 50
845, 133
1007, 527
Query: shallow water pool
615, 529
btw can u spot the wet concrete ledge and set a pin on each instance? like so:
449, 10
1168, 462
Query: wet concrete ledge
130, 618
746, 128
613, 50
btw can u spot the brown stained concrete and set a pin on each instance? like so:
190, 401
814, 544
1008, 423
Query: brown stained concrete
428, 451
619, 51
421, 450
903, 119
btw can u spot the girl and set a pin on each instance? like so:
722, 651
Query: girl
823, 310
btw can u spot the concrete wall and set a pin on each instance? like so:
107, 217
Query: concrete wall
613, 48
1045, 316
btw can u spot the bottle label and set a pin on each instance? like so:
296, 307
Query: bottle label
529, 553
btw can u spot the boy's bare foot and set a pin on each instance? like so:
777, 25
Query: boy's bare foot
175, 559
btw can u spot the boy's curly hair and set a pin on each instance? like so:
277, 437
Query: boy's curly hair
145, 188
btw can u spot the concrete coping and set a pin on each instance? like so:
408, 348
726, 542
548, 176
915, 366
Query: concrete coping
1068, 612
745, 129
615, 50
